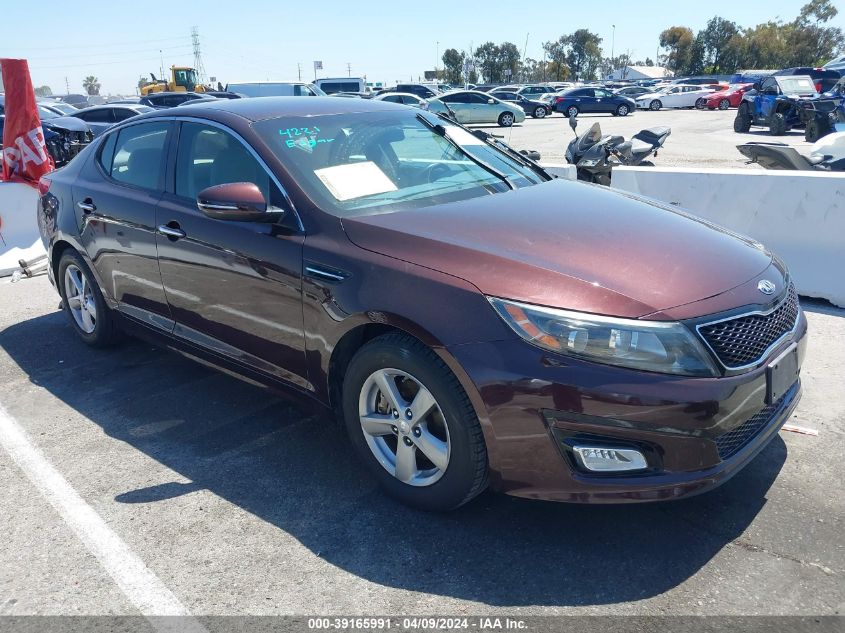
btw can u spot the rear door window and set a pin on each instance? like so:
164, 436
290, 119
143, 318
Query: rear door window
139, 153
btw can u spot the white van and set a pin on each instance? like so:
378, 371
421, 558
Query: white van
331, 85
275, 89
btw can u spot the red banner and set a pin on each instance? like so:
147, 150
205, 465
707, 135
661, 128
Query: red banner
25, 157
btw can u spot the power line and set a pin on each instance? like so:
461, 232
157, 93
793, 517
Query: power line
134, 52
97, 64
101, 45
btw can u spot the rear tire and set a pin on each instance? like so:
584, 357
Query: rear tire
724, 104
700, 103
453, 433
83, 302
655, 105
777, 124
813, 131
572, 111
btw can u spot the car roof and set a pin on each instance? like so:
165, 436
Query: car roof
262, 108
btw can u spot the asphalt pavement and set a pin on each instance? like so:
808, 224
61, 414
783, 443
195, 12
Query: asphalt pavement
137, 481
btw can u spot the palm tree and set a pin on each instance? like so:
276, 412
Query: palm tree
91, 85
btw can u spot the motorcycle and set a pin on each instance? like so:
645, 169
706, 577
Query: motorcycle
595, 155
827, 154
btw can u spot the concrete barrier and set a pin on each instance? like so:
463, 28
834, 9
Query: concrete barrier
19, 236
798, 215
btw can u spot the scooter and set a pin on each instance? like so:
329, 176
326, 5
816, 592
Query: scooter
595, 155
827, 154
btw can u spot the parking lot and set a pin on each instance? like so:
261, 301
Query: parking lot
233, 501
700, 138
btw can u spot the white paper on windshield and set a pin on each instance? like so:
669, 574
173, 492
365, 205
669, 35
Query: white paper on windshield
462, 137
354, 180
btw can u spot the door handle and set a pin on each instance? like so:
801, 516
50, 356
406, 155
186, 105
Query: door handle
172, 232
87, 206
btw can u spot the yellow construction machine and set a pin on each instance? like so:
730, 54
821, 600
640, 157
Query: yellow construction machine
182, 79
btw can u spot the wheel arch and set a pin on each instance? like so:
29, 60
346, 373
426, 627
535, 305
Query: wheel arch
367, 328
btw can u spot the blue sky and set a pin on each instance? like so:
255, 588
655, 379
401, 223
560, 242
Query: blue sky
386, 41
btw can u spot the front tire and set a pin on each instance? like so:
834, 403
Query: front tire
539, 112
622, 110
412, 424
83, 302
724, 104
655, 105
742, 122
506, 119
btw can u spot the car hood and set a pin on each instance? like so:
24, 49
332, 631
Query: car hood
70, 123
569, 245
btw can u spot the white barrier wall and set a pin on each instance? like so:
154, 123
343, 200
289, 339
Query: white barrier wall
18, 226
798, 215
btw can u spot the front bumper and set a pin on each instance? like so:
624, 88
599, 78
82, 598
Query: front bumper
534, 404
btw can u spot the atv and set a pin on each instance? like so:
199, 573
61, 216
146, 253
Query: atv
821, 116
776, 103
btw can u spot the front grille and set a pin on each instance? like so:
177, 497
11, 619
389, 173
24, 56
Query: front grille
732, 441
745, 340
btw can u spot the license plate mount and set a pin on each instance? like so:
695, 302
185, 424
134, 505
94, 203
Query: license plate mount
781, 374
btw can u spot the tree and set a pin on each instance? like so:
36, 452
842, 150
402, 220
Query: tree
647, 62
583, 53
508, 59
91, 85
453, 64
719, 55
556, 52
487, 62
679, 40
809, 41
43, 91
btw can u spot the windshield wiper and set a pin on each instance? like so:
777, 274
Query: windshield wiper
441, 131
494, 141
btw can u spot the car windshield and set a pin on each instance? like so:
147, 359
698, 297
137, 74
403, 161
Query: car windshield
379, 162
45, 114
796, 84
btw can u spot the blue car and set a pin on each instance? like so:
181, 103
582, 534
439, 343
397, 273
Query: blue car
587, 100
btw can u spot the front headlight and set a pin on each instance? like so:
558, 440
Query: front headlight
660, 346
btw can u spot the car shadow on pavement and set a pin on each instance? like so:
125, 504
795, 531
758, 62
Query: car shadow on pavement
296, 472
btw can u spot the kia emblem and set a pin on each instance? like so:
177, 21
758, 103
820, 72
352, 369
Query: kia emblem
766, 287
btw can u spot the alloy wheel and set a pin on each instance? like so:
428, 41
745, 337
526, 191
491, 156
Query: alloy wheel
724, 104
506, 120
623, 110
404, 427
572, 111
80, 299
540, 112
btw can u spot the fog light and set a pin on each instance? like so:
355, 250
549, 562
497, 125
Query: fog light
602, 459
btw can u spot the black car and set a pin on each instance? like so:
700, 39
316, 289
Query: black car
823, 79
532, 107
424, 92
160, 100
101, 118
574, 102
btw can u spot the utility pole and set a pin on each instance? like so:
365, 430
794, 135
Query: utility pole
524, 51
299, 70
612, 47
436, 60
348, 69
67, 85
161, 68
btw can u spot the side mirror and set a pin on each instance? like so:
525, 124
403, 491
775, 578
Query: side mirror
235, 201
573, 122
755, 85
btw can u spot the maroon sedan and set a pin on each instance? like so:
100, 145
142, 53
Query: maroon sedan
471, 320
